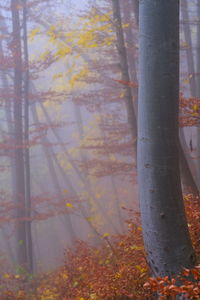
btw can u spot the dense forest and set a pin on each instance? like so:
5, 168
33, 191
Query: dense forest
99, 149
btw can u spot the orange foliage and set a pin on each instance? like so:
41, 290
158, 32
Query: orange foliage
115, 270
129, 83
189, 111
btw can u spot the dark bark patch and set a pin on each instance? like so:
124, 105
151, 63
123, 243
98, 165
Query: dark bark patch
162, 215
147, 166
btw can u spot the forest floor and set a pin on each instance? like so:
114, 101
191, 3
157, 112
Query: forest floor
115, 270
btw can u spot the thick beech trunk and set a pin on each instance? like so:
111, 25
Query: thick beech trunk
165, 230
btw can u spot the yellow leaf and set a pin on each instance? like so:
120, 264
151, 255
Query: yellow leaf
195, 107
106, 234
69, 205
65, 191
134, 247
125, 25
6, 276
33, 33
93, 296
75, 285
186, 81
63, 51
142, 270
65, 276
93, 46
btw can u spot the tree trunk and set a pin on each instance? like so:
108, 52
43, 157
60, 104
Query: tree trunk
189, 52
130, 40
190, 64
165, 230
26, 142
188, 183
187, 167
135, 4
124, 70
19, 180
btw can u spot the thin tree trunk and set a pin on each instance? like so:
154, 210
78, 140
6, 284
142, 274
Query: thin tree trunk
124, 70
135, 4
189, 52
187, 167
188, 182
165, 230
18, 138
26, 142
131, 57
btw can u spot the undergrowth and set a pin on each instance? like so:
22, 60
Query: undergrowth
116, 270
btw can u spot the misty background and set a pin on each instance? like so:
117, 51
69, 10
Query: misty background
68, 161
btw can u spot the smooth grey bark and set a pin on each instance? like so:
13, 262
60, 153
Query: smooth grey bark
165, 229
120, 44
18, 168
187, 168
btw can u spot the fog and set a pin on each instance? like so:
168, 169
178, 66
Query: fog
67, 142
80, 180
